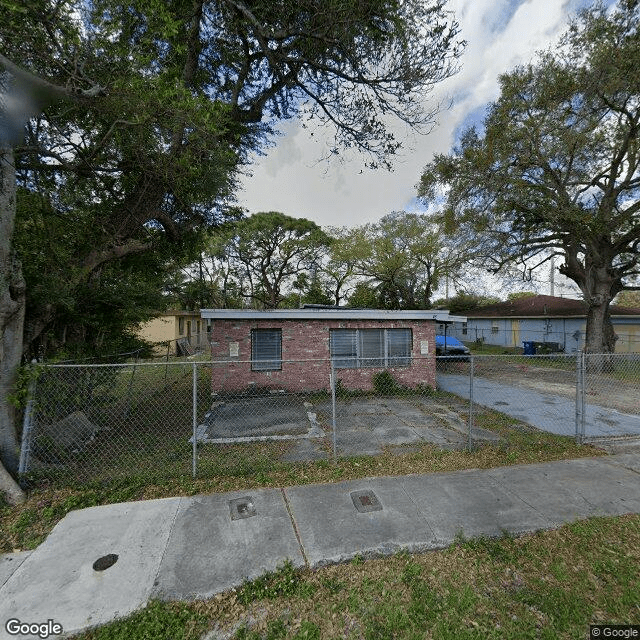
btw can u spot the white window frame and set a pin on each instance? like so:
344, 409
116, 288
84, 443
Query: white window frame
272, 361
356, 359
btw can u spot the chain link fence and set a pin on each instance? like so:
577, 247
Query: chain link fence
234, 418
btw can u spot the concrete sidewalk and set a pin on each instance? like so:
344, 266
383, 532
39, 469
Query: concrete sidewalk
186, 548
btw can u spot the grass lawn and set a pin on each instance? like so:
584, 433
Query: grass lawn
551, 584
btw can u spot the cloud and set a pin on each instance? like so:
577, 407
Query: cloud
500, 35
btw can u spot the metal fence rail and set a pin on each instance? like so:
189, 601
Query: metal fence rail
232, 417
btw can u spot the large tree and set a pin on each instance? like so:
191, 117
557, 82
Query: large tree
555, 170
139, 112
270, 250
403, 257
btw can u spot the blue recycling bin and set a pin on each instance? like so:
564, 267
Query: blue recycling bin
529, 348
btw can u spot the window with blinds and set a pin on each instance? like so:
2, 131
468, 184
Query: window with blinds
357, 348
266, 349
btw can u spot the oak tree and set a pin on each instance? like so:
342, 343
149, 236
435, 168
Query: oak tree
555, 169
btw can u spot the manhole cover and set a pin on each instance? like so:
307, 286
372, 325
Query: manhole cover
365, 501
105, 562
242, 508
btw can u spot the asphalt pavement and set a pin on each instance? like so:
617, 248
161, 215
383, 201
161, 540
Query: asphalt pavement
103, 563
546, 411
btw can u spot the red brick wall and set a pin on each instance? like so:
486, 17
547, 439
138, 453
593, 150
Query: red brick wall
304, 341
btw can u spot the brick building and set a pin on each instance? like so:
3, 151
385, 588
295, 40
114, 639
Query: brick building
292, 349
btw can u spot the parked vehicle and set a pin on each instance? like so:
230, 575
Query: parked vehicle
450, 346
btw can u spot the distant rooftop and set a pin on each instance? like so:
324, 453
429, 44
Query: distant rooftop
545, 306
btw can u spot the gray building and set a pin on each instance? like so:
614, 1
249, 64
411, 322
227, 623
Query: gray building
548, 319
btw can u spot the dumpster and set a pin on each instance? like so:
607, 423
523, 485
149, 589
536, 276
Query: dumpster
529, 348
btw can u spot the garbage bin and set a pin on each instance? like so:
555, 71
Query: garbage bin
529, 348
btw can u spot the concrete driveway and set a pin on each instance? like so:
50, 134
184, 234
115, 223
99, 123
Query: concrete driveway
549, 412
364, 425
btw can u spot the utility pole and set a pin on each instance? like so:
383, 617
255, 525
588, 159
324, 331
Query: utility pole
552, 272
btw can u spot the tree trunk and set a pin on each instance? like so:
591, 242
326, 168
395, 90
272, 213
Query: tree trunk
12, 309
9, 487
600, 336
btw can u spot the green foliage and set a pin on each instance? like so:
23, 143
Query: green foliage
286, 581
465, 301
403, 257
270, 249
364, 296
554, 169
628, 299
518, 295
384, 383
27, 374
158, 620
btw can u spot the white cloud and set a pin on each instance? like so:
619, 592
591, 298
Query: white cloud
500, 34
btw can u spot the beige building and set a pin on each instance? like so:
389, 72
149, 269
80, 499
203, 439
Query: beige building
173, 329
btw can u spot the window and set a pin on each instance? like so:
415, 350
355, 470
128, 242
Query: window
464, 329
494, 326
266, 349
355, 348
181, 326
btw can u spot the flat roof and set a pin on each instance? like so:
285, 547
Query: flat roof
330, 314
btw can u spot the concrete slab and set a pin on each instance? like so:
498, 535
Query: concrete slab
208, 552
257, 416
305, 450
396, 435
469, 502
9, 562
332, 530
357, 443
629, 461
572, 489
57, 581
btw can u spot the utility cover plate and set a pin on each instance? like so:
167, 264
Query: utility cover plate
242, 508
365, 501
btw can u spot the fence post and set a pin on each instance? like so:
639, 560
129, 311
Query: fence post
580, 391
25, 449
583, 412
130, 388
332, 382
195, 420
469, 441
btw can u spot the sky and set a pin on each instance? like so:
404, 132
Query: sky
290, 178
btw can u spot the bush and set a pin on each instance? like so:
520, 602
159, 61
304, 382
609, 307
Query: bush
385, 383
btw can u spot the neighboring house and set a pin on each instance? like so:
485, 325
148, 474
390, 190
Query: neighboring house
173, 328
560, 321
292, 348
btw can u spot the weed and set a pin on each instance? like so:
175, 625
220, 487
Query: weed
308, 631
332, 585
284, 581
159, 620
